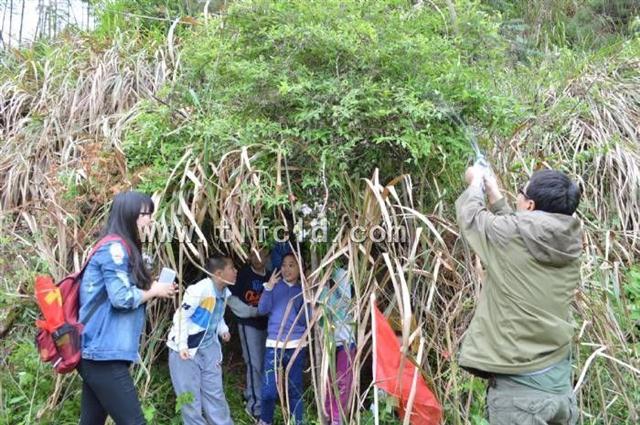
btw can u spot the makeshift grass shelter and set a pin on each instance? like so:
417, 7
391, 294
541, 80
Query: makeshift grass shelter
221, 130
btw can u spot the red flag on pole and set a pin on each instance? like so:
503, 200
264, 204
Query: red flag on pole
50, 301
388, 375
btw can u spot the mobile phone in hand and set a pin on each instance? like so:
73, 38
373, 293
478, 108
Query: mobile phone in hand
167, 275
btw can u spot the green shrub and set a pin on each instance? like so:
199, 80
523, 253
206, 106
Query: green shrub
340, 86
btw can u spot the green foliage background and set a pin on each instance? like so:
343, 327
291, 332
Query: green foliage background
340, 88
337, 86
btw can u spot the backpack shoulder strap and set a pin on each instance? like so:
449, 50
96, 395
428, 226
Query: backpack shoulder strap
102, 242
103, 297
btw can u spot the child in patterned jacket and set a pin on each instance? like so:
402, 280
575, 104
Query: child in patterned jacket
195, 355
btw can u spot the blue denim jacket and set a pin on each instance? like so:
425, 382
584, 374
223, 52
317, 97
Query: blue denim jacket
113, 332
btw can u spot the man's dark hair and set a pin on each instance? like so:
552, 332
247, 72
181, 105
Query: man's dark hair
553, 192
217, 263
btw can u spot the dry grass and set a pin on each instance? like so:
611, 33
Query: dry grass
63, 130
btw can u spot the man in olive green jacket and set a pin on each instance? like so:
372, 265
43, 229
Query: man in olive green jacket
521, 332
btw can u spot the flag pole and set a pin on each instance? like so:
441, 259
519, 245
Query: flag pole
374, 329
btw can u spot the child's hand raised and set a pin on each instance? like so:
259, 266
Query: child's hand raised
226, 336
275, 276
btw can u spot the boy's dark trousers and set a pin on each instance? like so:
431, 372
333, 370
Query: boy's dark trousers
276, 361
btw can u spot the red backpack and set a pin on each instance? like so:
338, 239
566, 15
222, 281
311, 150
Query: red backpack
59, 336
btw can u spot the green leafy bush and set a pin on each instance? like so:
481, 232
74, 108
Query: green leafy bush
340, 86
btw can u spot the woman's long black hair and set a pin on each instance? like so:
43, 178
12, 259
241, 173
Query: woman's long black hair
123, 218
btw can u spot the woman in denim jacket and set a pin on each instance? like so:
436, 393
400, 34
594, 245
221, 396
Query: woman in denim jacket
113, 292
